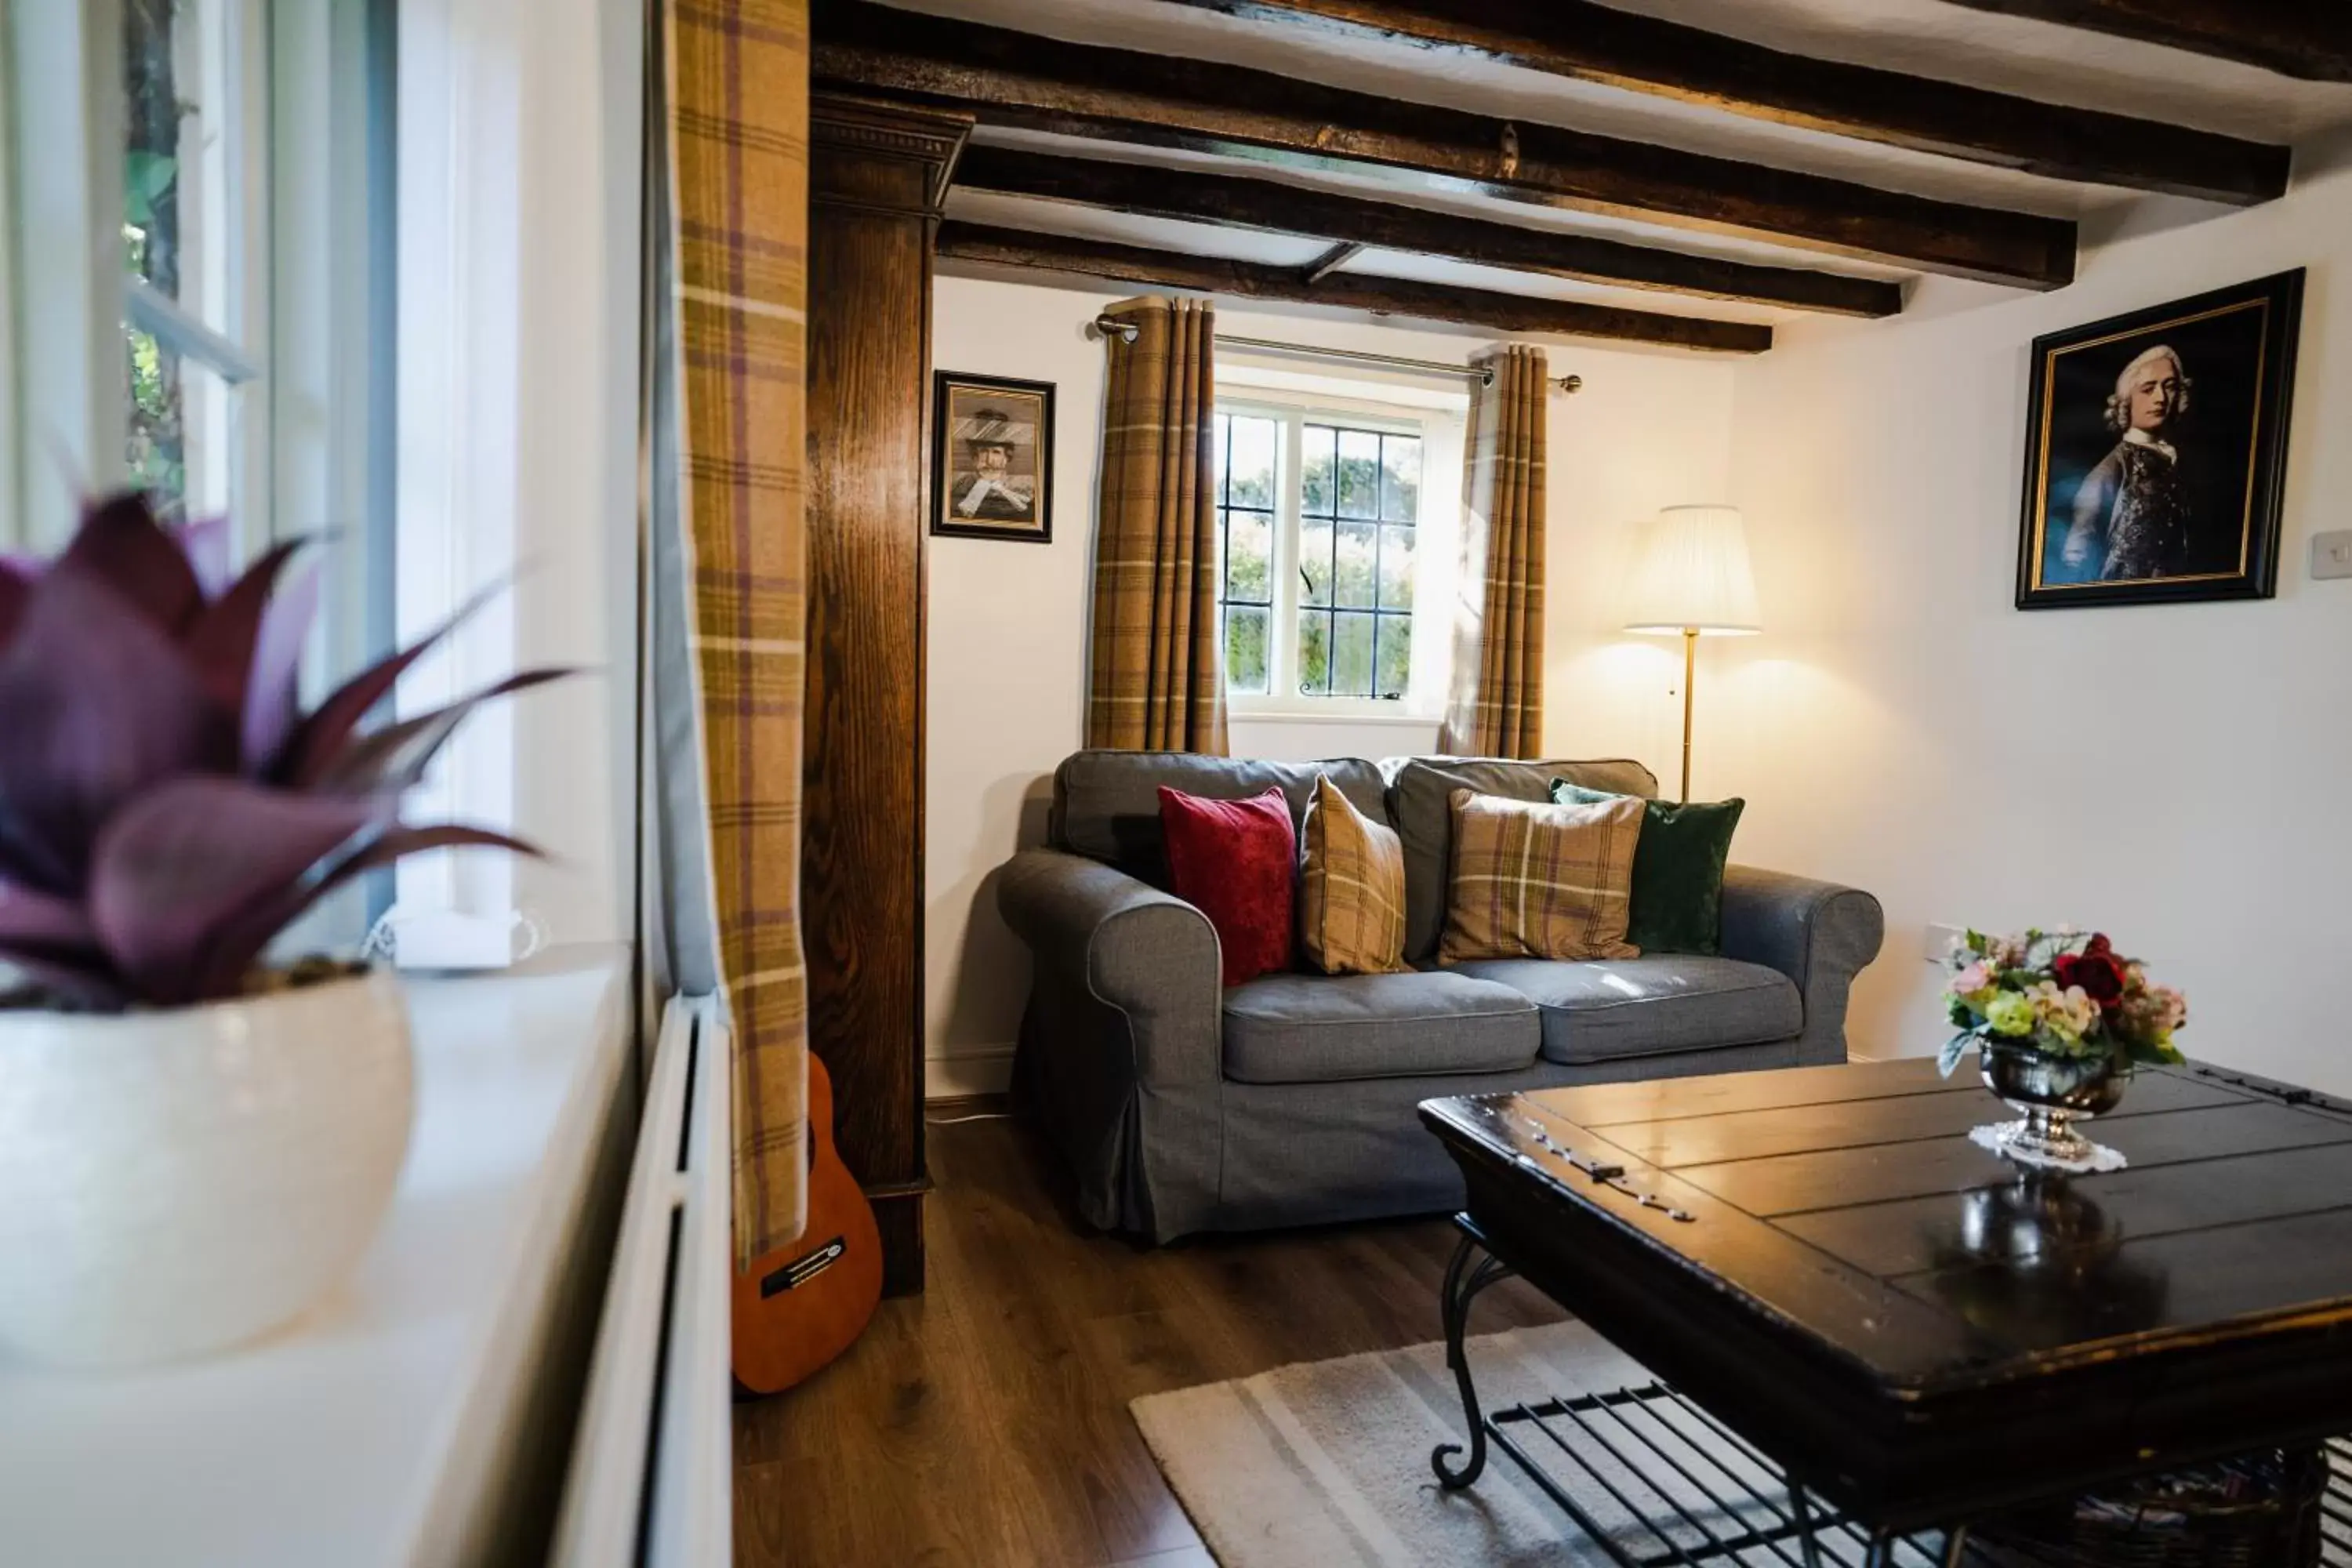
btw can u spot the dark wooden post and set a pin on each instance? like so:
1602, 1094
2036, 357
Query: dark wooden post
879, 173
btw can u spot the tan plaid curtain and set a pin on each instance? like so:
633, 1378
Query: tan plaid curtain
1158, 683
1495, 707
735, 283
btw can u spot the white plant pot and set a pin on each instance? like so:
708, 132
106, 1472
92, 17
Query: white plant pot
177, 1183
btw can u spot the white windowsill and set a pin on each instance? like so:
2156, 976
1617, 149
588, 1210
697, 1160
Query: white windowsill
1312, 716
386, 1426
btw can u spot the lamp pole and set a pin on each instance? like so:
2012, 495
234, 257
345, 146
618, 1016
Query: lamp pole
1690, 673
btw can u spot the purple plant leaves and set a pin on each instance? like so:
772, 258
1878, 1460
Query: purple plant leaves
221, 643
120, 543
138, 685
395, 757
16, 591
51, 942
173, 875
241, 941
319, 738
90, 986
96, 705
271, 694
205, 541
41, 920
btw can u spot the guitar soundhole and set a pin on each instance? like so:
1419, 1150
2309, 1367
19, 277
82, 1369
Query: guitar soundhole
803, 1269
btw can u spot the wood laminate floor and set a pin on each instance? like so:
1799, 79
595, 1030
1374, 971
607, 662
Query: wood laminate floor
985, 1422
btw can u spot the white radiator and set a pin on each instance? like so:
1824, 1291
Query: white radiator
653, 1464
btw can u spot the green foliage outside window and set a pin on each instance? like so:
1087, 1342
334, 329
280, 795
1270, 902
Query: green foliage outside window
1358, 503
157, 453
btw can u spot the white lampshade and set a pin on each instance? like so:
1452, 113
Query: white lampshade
1693, 575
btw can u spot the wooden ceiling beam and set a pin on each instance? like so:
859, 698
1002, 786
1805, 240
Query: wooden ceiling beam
985, 245
1020, 79
2309, 39
1238, 202
1331, 261
1596, 43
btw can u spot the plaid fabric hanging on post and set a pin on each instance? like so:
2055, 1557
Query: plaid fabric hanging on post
1158, 681
1495, 707
736, 138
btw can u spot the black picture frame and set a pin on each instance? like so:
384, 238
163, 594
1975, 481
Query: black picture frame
2194, 513
965, 410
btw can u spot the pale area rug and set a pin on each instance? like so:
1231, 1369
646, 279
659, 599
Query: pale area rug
1326, 1464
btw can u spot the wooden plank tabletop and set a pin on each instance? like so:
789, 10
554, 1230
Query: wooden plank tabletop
1847, 1249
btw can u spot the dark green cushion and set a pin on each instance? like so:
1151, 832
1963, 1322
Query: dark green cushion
1677, 870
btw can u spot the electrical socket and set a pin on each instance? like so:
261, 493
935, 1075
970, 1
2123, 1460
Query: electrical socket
2331, 554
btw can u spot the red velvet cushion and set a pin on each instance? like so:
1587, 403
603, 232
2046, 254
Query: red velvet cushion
1237, 862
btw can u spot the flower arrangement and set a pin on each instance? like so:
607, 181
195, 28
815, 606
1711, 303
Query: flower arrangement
166, 809
2062, 993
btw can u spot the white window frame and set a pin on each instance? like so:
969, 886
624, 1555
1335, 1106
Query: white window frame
66, 398
1437, 527
283, 87
520, 136
278, 310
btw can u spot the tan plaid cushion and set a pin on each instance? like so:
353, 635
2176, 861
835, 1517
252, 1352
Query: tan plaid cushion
1539, 881
1351, 892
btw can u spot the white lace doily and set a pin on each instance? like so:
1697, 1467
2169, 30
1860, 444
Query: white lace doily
1999, 1135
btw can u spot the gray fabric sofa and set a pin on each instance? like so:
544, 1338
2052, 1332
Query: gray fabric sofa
1181, 1106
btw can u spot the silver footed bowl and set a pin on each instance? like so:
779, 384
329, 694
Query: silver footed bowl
2052, 1093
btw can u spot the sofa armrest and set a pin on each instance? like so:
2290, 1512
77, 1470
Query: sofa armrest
1819, 934
1146, 954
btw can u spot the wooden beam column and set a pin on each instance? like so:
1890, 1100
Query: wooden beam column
879, 173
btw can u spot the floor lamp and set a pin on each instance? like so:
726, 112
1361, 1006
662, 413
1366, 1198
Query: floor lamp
1692, 579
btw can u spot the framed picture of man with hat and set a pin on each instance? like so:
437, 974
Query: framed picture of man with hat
992, 458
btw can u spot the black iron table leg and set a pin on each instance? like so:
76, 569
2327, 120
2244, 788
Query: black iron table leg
1463, 1280
1804, 1509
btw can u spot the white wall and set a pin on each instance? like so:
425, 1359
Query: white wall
2165, 773
1007, 622
1006, 702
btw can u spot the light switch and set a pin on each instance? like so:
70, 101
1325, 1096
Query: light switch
2331, 553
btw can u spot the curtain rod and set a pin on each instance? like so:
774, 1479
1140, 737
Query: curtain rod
1108, 326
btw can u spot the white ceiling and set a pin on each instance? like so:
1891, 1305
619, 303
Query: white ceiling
1924, 38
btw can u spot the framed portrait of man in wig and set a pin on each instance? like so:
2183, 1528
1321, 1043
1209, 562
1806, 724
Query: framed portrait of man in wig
2156, 452
992, 458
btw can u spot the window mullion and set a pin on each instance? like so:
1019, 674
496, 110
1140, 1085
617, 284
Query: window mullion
65, 93
1285, 682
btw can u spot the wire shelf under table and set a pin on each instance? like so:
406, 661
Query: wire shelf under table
1655, 1481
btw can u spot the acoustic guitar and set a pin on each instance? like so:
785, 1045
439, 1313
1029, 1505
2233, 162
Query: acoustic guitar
798, 1308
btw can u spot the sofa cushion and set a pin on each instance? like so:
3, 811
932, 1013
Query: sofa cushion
1539, 881
1350, 889
1327, 1028
1419, 792
1622, 1008
1236, 861
1107, 803
1677, 871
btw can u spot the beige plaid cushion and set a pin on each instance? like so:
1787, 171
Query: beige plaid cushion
1352, 892
1539, 881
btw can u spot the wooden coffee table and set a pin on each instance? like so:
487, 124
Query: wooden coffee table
1912, 1332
